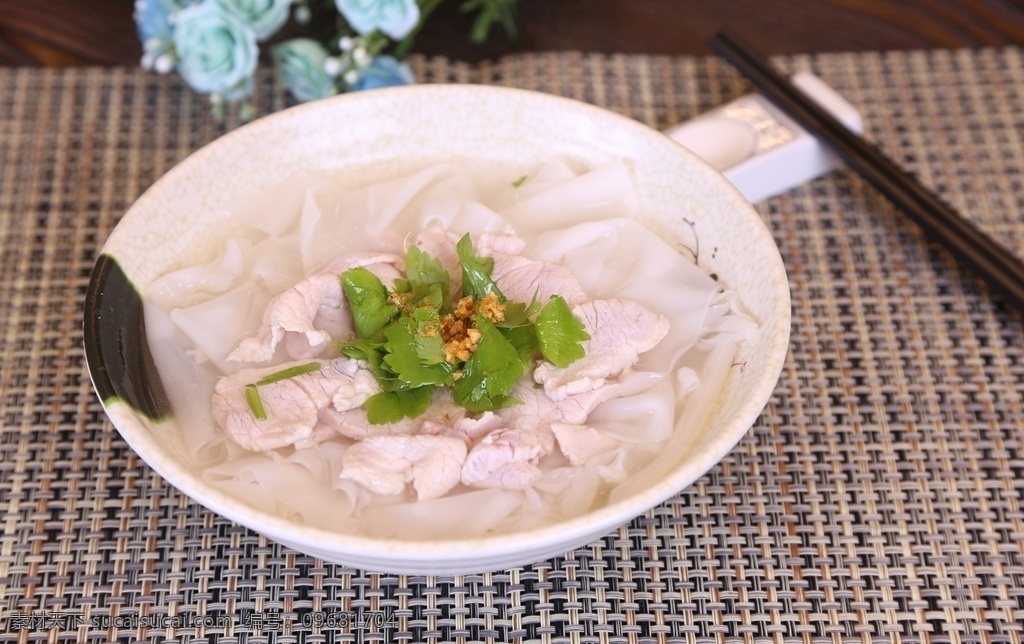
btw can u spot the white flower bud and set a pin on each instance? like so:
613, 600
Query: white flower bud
332, 66
303, 15
361, 58
351, 77
163, 64
346, 43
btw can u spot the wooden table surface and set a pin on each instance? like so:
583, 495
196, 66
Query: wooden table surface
101, 32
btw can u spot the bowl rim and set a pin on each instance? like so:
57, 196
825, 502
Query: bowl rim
606, 517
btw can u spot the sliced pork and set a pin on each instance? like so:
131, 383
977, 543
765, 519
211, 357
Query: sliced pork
314, 309
620, 330
521, 279
467, 429
292, 405
353, 422
487, 244
385, 464
508, 456
505, 458
537, 409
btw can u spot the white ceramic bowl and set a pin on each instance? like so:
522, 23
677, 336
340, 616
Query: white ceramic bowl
424, 124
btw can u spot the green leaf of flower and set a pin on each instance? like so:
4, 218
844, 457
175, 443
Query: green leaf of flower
489, 13
393, 406
368, 300
560, 334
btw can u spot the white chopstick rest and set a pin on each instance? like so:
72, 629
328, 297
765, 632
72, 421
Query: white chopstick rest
761, 150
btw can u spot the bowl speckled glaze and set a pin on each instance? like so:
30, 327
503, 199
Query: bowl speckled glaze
680, 197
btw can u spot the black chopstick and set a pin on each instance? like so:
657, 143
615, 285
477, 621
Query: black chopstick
996, 265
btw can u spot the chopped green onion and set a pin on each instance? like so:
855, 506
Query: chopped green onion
252, 392
252, 396
290, 372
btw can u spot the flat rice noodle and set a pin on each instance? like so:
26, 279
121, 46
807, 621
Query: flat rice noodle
188, 386
276, 265
218, 323
725, 322
461, 215
689, 434
611, 466
396, 204
195, 282
644, 417
291, 487
273, 212
561, 493
549, 175
621, 258
520, 186
337, 222
579, 497
600, 194
455, 516
332, 226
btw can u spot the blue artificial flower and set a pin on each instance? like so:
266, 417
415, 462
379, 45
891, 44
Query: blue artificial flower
153, 18
396, 18
383, 71
216, 50
301, 64
265, 17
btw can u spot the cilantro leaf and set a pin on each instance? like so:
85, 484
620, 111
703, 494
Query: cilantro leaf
560, 334
401, 335
524, 339
424, 272
368, 300
403, 358
373, 353
358, 349
393, 406
429, 345
491, 372
519, 314
490, 404
476, 271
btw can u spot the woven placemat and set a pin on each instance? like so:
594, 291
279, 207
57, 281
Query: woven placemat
878, 497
